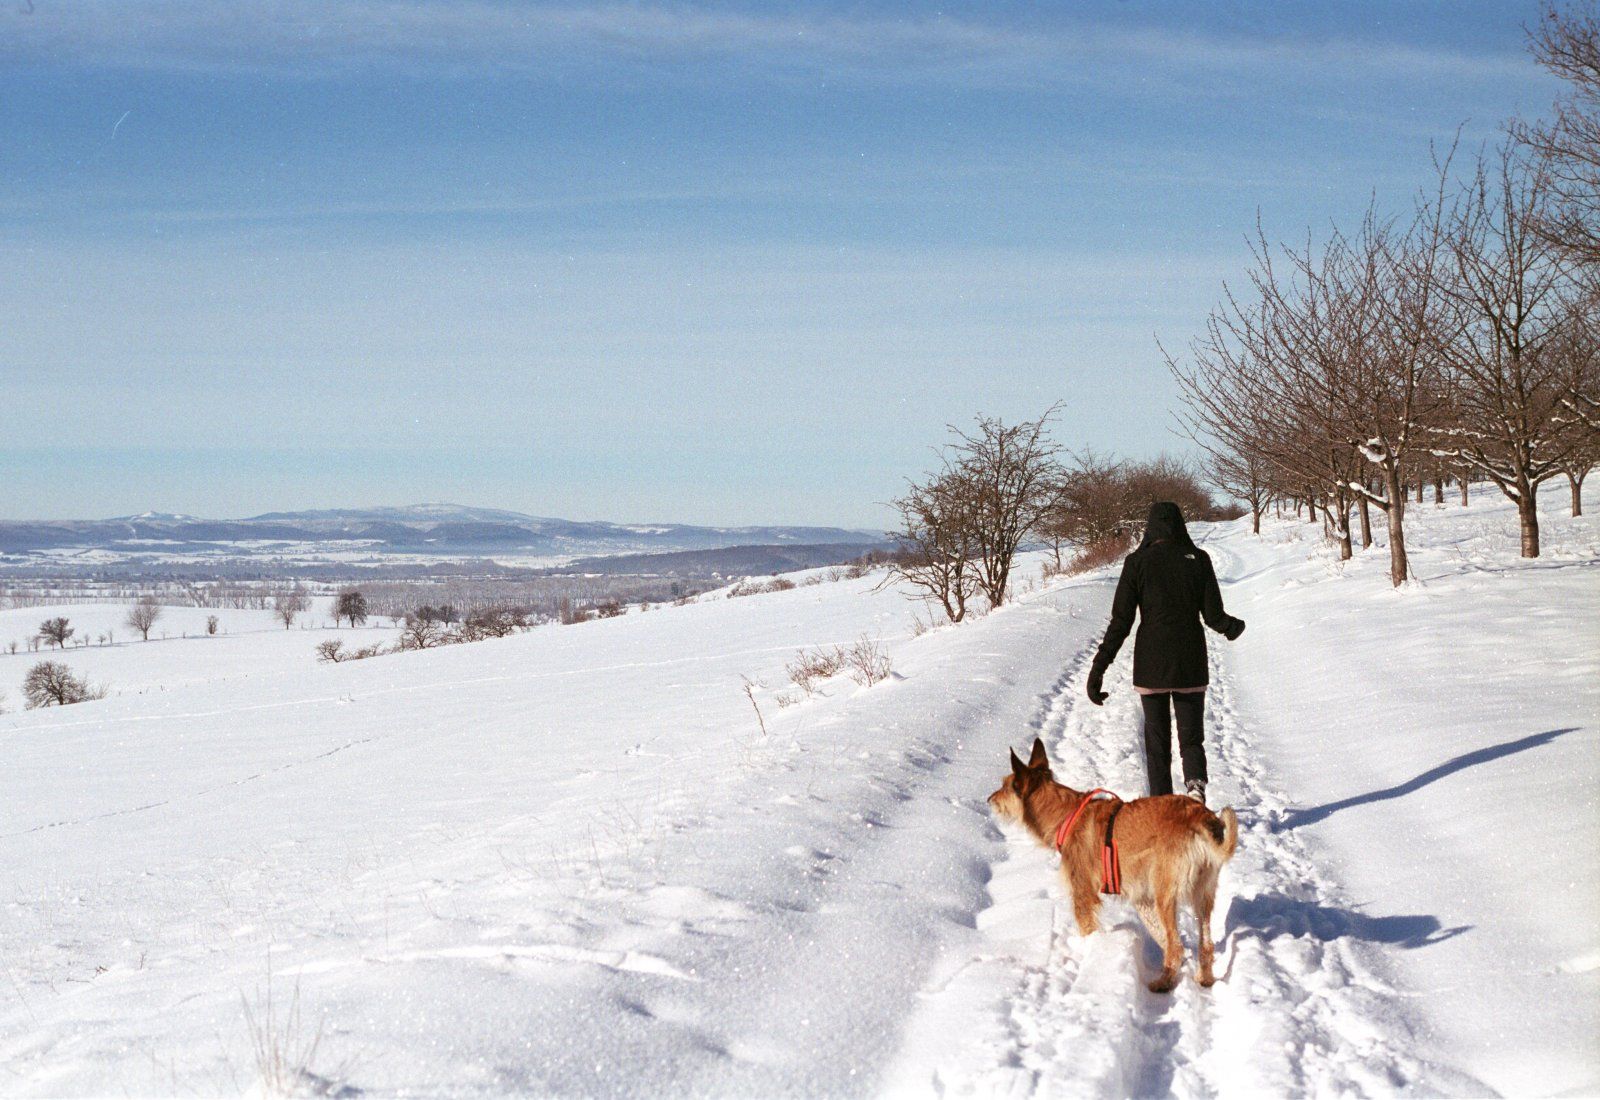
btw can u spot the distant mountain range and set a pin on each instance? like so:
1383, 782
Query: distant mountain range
433, 530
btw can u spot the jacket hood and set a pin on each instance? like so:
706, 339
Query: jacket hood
1165, 521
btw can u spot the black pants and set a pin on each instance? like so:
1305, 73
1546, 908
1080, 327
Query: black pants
1191, 706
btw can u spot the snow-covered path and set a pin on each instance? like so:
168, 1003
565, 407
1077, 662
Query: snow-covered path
1351, 961
1302, 1007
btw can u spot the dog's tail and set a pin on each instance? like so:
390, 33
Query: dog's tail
1223, 828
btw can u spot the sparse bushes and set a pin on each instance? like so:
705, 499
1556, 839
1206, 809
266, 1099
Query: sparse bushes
810, 666
55, 632
1107, 550
421, 633
334, 652
53, 684
757, 588
609, 609
212, 622
865, 662
143, 615
495, 622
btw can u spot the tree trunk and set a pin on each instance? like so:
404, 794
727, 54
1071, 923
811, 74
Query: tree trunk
1528, 517
1419, 490
1366, 522
1576, 482
1255, 521
1463, 490
1438, 490
1340, 519
1399, 567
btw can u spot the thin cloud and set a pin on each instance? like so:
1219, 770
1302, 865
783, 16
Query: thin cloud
328, 37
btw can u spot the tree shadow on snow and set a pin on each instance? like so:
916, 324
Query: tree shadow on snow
1268, 916
1313, 814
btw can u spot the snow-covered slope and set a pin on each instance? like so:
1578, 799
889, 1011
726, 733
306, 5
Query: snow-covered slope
573, 862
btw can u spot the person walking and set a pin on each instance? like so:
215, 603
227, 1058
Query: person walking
1170, 582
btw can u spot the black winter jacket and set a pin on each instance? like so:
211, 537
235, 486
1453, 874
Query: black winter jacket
1171, 583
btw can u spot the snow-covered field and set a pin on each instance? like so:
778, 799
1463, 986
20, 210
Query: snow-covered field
179, 652
572, 861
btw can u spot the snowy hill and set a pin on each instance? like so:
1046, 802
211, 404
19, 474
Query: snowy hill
572, 861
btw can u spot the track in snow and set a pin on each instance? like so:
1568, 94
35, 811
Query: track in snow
1302, 1005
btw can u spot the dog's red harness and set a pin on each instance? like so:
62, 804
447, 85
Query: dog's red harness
1110, 860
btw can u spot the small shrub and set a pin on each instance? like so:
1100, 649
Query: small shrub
211, 624
867, 663
333, 651
814, 579
423, 633
685, 601
53, 684
1102, 552
609, 609
811, 666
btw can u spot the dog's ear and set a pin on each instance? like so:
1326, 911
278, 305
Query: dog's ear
1018, 768
1039, 759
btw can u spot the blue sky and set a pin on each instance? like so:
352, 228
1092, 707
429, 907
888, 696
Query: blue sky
716, 263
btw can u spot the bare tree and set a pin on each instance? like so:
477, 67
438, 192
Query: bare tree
351, 605
56, 632
423, 633
1013, 473
287, 605
143, 615
1244, 476
937, 542
51, 683
1567, 42
1506, 284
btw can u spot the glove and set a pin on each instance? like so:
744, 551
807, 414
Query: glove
1235, 629
1096, 696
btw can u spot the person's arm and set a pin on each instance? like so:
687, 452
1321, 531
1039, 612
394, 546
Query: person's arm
1123, 606
1211, 609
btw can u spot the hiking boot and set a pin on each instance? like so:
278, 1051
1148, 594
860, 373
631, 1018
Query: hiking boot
1196, 789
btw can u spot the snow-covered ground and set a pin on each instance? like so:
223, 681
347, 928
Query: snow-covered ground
573, 862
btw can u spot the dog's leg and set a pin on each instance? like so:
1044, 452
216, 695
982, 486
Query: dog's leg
1166, 912
1203, 897
1085, 897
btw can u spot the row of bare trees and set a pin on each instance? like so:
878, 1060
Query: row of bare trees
1456, 342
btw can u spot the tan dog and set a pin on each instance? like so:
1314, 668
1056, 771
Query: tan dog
1172, 849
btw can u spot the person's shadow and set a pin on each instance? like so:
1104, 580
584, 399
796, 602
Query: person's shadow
1312, 814
1268, 916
